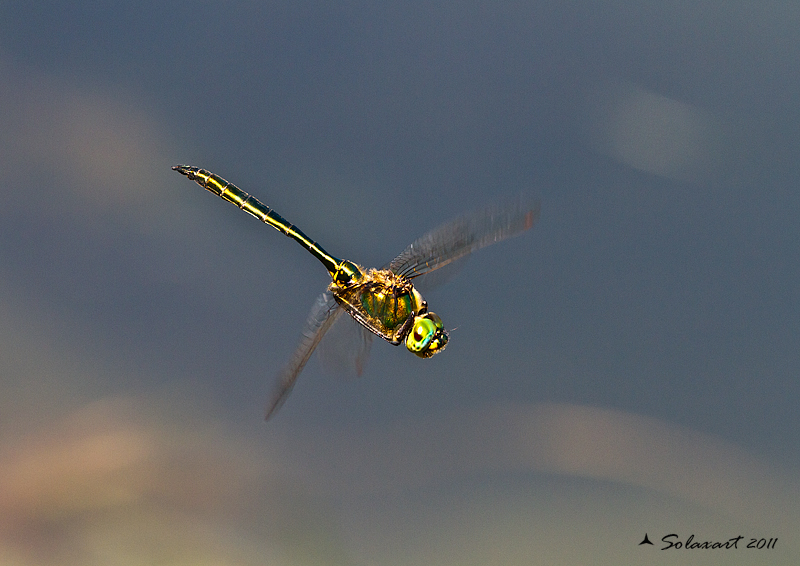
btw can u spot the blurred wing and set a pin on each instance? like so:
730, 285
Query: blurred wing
433, 279
345, 349
323, 314
464, 235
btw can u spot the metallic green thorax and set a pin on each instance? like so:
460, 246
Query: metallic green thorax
383, 302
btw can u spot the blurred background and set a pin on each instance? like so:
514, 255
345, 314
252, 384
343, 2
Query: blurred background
629, 366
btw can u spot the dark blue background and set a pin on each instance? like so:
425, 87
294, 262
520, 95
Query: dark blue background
662, 280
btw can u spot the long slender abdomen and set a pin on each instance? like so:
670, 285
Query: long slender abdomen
253, 206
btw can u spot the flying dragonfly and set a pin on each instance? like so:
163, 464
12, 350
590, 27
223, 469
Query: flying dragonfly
383, 301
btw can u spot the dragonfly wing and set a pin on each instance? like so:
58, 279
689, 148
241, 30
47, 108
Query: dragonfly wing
464, 235
345, 349
434, 279
322, 316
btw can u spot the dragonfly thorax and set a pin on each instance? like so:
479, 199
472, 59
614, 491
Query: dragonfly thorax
388, 305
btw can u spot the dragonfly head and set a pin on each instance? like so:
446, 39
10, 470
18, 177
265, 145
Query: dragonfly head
427, 336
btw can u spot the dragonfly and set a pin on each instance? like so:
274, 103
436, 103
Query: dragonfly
382, 301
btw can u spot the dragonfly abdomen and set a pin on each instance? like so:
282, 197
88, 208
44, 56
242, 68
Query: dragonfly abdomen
254, 207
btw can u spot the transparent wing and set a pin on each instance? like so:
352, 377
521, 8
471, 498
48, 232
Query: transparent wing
464, 235
434, 279
323, 314
345, 349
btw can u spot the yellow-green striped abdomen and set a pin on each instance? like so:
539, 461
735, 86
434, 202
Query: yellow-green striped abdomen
251, 205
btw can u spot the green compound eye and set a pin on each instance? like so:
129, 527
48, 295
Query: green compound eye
420, 335
427, 336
